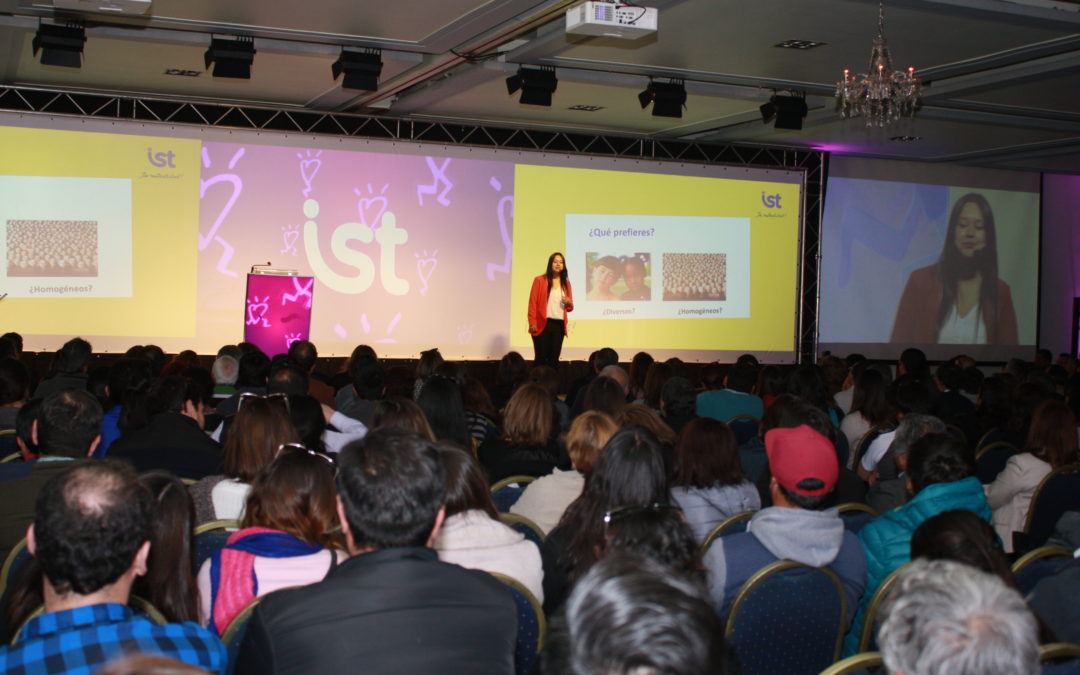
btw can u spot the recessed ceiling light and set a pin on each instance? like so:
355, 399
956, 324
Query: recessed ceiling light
586, 108
182, 72
905, 139
799, 44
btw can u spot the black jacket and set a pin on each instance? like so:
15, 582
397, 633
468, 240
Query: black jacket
173, 442
397, 610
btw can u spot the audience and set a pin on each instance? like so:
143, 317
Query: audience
392, 606
91, 536
948, 617
626, 493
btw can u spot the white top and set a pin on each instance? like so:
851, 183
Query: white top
963, 330
554, 308
475, 540
546, 498
229, 497
1011, 492
878, 447
843, 399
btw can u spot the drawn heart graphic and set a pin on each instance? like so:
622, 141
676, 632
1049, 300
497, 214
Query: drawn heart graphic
308, 169
366, 206
290, 237
256, 310
425, 268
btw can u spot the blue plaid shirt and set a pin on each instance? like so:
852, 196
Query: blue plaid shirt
79, 640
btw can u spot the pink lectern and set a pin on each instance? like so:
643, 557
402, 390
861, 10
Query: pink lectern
278, 311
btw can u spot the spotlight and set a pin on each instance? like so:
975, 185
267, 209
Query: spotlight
60, 45
361, 68
668, 98
536, 85
231, 58
789, 111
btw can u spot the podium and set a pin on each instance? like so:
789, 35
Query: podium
277, 309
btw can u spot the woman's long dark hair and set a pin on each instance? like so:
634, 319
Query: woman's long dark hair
629, 472
169, 582
951, 264
550, 273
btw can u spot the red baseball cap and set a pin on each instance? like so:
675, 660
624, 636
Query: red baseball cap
801, 453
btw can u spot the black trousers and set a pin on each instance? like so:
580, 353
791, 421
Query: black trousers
548, 344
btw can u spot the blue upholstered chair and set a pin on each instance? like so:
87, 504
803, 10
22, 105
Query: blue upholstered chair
991, 459
506, 492
210, 537
856, 516
744, 427
1030, 568
525, 526
1058, 492
730, 525
532, 626
789, 619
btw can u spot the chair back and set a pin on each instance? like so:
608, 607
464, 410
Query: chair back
11, 457
788, 618
210, 537
532, 626
1060, 657
744, 427
1058, 492
854, 664
730, 525
991, 436
957, 433
506, 492
856, 516
990, 460
147, 609
868, 636
525, 526
8, 573
1044, 561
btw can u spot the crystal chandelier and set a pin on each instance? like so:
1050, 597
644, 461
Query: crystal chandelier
881, 95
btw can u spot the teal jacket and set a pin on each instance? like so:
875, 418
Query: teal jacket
887, 540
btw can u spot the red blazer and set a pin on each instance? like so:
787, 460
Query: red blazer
538, 299
917, 315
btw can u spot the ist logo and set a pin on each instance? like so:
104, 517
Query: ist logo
771, 201
161, 159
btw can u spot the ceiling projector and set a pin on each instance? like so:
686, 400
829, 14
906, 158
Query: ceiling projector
611, 19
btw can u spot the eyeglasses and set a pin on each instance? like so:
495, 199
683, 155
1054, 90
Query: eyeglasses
249, 395
298, 447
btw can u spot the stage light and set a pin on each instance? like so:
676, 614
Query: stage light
668, 98
60, 45
536, 85
231, 58
788, 111
361, 68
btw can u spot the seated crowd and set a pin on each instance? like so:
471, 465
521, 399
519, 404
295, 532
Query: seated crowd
362, 531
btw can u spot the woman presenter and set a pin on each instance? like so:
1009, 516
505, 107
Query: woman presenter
549, 301
959, 300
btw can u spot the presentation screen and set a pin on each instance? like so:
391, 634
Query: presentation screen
939, 258
137, 233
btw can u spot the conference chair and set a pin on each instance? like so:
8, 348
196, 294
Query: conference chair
234, 632
991, 436
525, 526
730, 525
787, 619
744, 427
1059, 658
1058, 492
990, 460
856, 515
854, 664
8, 573
506, 492
1031, 567
209, 537
868, 636
532, 626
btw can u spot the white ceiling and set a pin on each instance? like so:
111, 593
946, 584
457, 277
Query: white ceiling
1002, 79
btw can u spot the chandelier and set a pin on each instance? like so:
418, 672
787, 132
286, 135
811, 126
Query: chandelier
881, 95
